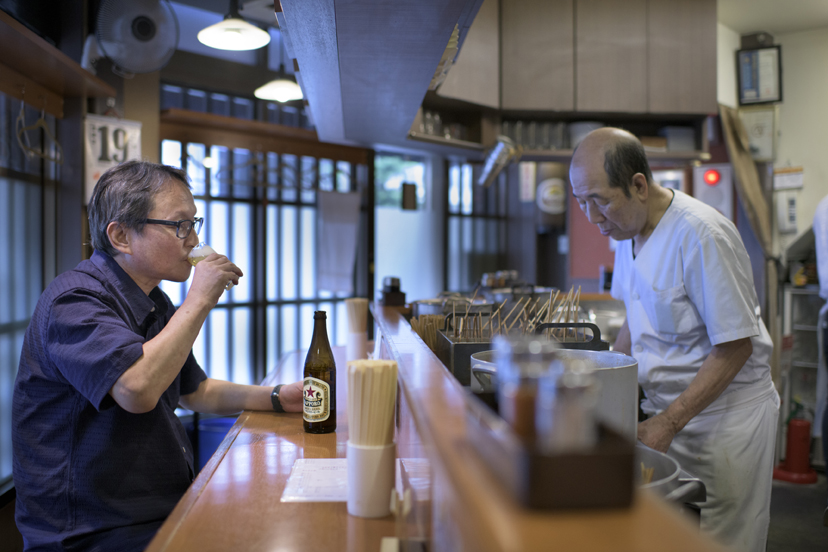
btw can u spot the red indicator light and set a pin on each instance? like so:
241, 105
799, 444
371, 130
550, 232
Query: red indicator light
712, 177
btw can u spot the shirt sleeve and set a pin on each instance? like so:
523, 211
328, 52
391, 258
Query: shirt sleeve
719, 281
191, 375
89, 344
821, 243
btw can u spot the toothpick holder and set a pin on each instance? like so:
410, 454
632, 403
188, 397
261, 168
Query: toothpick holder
370, 479
356, 348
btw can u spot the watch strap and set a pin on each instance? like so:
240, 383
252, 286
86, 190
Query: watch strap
274, 399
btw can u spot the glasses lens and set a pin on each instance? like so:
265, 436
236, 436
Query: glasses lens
198, 223
184, 227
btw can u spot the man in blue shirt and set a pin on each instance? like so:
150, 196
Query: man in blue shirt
100, 458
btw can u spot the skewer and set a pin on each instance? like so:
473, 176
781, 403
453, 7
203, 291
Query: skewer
520, 301
518, 317
550, 304
495, 313
577, 312
472, 299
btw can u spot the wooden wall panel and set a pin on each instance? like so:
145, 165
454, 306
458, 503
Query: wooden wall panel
536, 63
611, 55
682, 56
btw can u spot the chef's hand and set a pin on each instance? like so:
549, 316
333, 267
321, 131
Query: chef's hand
290, 396
657, 432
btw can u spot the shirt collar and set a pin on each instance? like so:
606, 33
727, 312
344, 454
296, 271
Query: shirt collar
141, 306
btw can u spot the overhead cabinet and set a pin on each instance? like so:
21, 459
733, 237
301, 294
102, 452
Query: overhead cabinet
681, 53
591, 56
537, 55
611, 55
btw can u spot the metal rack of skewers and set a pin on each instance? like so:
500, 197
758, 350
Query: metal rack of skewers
455, 336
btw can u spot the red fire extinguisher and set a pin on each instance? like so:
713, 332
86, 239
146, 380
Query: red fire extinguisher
797, 465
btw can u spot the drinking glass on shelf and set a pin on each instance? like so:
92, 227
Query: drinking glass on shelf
201, 252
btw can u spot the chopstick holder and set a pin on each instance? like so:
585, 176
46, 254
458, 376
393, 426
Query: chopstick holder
371, 450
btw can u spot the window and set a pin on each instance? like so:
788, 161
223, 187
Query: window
475, 228
27, 187
260, 209
391, 172
180, 97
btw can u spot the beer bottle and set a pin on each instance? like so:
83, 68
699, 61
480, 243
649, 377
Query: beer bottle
319, 386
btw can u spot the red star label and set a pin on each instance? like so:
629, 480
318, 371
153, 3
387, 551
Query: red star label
309, 392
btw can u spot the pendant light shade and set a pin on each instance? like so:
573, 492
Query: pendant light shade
234, 33
279, 90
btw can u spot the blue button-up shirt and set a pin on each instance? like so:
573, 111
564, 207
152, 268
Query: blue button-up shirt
90, 475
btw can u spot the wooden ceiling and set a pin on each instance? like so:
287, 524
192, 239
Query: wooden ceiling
365, 65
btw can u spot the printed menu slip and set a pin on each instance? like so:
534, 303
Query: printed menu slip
317, 480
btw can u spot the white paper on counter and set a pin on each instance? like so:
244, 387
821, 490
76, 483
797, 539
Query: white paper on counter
317, 480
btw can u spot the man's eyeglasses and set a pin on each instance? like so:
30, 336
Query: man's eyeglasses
182, 227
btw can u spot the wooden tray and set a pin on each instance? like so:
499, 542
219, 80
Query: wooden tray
600, 478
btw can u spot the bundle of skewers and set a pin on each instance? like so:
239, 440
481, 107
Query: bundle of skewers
525, 317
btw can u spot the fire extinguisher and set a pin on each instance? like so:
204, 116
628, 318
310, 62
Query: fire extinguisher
797, 465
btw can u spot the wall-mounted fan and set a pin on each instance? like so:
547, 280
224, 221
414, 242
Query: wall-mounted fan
139, 36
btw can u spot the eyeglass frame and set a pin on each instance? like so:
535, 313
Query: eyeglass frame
197, 221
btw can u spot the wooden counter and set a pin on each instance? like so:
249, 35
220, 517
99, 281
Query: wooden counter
234, 503
451, 500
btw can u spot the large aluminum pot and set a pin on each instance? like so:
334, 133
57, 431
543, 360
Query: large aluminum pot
617, 404
668, 479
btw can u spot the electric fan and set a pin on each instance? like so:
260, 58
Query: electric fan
139, 36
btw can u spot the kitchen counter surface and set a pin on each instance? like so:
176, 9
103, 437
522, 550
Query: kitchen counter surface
451, 500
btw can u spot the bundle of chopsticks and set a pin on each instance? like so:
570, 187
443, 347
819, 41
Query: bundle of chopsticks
427, 327
372, 394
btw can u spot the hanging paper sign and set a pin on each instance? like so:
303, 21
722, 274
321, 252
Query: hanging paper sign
108, 142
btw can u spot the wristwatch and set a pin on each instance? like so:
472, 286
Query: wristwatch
274, 398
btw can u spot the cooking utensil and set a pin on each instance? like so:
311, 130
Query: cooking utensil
669, 480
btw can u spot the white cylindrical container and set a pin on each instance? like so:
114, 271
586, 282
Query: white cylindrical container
370, 479
356, 348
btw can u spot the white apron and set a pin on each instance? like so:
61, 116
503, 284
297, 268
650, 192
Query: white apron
727, 443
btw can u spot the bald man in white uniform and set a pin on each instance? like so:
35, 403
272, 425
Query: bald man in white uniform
693, 324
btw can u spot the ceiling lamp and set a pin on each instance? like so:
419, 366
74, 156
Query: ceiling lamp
234, 33
279, 90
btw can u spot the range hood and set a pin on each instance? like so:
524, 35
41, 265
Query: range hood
365, 66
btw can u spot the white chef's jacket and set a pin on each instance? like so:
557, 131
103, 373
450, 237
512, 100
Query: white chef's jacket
690, 288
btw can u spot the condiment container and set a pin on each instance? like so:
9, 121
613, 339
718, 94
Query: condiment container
521, 362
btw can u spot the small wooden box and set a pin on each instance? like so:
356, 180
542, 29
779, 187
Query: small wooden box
600, 478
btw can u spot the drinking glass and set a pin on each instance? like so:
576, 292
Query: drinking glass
199, 253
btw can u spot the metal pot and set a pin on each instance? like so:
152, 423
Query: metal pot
617, 404
669, 480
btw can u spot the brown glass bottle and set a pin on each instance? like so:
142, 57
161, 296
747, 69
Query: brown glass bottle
319, 386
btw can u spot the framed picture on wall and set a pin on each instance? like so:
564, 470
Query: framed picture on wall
759, 73
760, 124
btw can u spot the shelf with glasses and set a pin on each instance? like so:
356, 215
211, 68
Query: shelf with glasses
801, 364
566, 154
443, 141
34, 71
805, 327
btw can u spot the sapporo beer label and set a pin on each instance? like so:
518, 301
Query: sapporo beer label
316, 395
